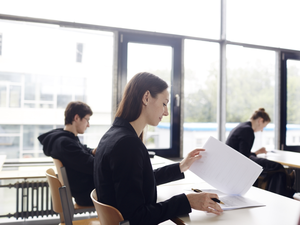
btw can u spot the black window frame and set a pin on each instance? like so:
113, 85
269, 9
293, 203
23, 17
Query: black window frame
284, 56
176, 80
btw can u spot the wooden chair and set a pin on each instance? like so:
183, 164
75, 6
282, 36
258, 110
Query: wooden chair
107, 214
58, 164
63, 178
61, 204
265, 177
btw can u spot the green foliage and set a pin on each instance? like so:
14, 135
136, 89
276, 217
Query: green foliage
293, 96
201, 106
249, 89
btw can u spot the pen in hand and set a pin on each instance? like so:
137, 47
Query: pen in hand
214, 199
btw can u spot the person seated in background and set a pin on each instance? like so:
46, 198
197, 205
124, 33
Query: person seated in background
124, 177
78, 159
241, 138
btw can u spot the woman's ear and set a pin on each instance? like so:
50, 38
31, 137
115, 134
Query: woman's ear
260, 120
146, 98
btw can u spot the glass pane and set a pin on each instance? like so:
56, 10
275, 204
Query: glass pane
9, 129
9, 76
250, 86
49, 76
45, 88
201, 71
293, 103
63, 100
15, 96
27, 105
3, 96
45, 106
31, 146
30, 86
199, 18
10, 141
91, 135
269, 23
154, 59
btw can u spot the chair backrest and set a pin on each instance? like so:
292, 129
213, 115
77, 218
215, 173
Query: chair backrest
55, 185
60, 202
58, 164
265, 177
107, 214
63, 178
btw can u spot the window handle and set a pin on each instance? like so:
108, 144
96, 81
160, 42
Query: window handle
177, 100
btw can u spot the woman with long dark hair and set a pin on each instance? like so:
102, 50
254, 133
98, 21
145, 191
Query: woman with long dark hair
124, 177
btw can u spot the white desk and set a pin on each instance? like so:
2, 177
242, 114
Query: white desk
34, 172
286, 158
29, 168
278, 210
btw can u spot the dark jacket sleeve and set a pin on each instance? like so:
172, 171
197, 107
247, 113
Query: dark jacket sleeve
89, 150
133, 177
168, 173
74, 155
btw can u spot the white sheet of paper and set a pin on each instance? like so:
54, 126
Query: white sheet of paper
234, 201
238, 202
226, 169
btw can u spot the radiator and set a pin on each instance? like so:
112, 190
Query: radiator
33, 199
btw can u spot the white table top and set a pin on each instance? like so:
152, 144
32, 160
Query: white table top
277, 210
27, 171
34, 172
286, 158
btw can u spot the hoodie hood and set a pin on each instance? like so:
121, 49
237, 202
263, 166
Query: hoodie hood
48, 139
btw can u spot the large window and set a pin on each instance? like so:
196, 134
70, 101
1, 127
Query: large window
200, 93
41, 72
250, 86
161, 56
290, 116
144, 58
293, 103
53, 64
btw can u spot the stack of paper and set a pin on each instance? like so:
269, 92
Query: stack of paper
228, 171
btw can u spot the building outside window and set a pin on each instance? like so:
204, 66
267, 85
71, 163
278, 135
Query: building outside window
39, 77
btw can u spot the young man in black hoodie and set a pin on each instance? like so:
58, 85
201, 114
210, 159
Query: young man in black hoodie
78, 159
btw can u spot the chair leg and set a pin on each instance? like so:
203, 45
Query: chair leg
61, 217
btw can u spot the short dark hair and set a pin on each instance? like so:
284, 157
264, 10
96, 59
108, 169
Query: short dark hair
77, 107
261, 113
